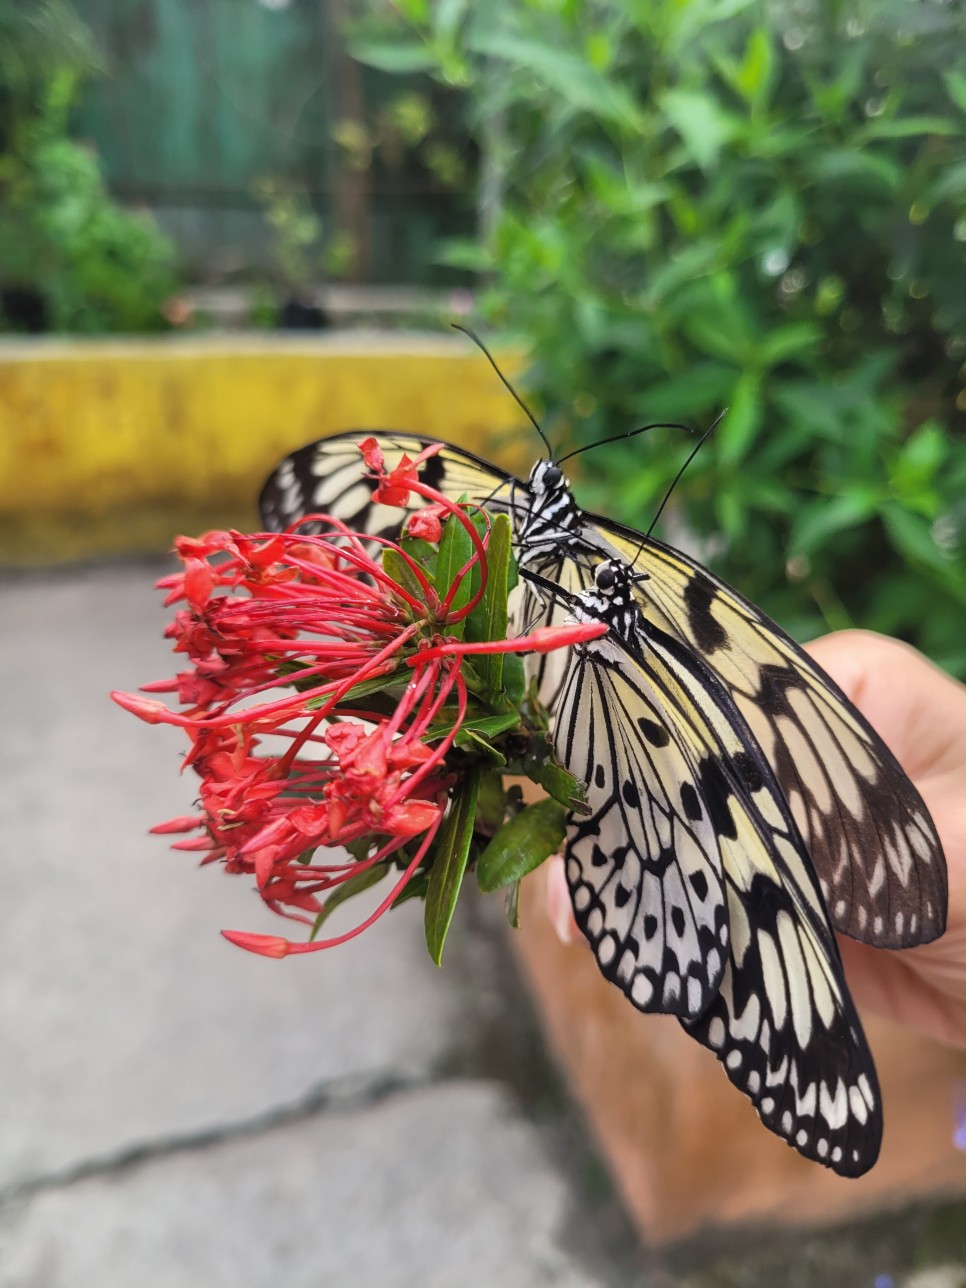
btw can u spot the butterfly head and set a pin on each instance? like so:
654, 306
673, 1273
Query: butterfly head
548, 480
615, 581
552, 518
611, 598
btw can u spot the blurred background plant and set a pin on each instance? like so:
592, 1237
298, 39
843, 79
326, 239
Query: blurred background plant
676, 207
71, 258
397, 140
727, 203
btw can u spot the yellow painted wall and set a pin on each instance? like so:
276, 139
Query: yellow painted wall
112, 447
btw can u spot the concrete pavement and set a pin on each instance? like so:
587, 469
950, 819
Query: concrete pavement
177, 1112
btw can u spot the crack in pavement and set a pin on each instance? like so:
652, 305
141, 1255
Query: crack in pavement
341, 1095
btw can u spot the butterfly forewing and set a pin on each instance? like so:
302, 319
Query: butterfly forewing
330, 477
869, 834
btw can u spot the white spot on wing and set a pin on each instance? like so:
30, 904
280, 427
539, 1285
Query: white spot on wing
642, 990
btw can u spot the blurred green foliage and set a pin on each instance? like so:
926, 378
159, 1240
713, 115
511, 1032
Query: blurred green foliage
758, 206
296, 232
71, 259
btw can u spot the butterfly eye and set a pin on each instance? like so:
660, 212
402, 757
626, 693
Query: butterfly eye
605, 578
552, 476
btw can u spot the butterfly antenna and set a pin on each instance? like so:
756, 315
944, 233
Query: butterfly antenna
632, 433
480, 345
677, 478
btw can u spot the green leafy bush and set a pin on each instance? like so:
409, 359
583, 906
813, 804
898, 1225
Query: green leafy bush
87, 264
727, 203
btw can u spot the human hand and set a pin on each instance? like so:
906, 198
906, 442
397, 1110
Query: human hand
920, 713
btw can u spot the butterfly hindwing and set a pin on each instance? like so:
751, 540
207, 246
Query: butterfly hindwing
781, 1021
643, 865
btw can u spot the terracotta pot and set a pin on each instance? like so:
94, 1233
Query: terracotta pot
685, 1148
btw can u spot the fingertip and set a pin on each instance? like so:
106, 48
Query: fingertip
559, 908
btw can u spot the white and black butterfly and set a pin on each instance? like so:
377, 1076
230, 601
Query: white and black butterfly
874, 848
691, 881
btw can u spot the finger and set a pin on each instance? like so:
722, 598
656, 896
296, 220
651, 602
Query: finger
559, 907
911, 988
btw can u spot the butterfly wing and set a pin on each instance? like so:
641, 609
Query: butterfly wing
872, 841
782, 1023
870, 836
644, 865
330, 477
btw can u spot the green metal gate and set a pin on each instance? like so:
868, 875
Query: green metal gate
205, 98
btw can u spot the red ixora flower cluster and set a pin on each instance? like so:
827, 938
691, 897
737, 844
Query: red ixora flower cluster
284, 776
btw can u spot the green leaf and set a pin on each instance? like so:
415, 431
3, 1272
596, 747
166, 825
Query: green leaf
754, 76
955, 83
481, 727
781, 343
414, 10
395, 57
911, 536
364, 689
513, 905
489, 726
558, 783
448, 16
822, 519
731, 516
455, 552
351, 886
469, 741
490, 803
522, 844
921, 456
687, 21
688, 264
396, 567
742, 420
837, 164
910, 127
949, 182
452, 851
489, 620
514, 678
576, 81
704, 385
459, 252
423, 553
415, 888
701, 122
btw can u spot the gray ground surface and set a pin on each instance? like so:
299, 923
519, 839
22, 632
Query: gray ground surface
178, 1113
